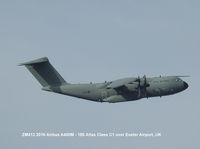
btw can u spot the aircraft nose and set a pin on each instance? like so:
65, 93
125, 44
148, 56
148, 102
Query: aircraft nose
185, 85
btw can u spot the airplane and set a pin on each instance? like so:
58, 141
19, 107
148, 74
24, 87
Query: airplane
121, 90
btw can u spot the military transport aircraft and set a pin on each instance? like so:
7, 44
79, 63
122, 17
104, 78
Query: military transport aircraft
125, 89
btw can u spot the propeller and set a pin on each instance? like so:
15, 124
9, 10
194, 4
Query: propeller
139, 90
143, 86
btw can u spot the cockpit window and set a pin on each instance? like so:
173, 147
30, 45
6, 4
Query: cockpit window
178, 80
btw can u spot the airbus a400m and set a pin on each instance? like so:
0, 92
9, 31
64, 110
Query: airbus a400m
121, 90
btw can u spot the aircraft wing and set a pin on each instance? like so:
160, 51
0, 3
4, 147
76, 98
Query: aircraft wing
121, 82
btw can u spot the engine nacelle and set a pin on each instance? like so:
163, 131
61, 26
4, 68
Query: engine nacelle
132, 87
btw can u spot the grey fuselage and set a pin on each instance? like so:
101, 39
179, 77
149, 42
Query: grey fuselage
125, 89
158, 86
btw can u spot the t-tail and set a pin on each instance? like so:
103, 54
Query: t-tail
44, 72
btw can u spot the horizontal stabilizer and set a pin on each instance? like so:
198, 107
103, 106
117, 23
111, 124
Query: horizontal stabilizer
40, 60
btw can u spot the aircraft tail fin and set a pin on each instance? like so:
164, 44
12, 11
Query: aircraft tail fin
44, 72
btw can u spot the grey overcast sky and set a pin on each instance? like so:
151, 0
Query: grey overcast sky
95, 41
